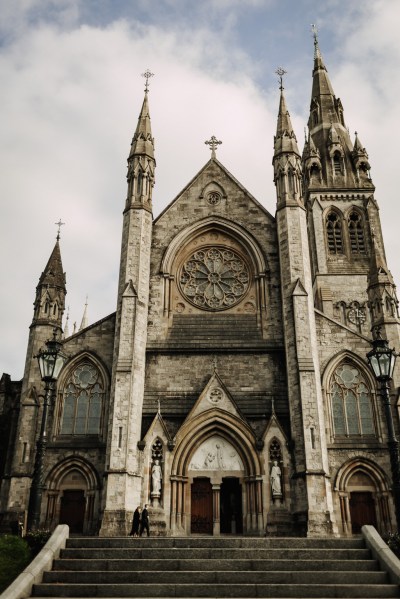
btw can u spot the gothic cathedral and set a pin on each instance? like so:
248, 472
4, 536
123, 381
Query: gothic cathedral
230, 390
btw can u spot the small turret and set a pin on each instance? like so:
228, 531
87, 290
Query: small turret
141, 162
382, 297
286, 160
51, 291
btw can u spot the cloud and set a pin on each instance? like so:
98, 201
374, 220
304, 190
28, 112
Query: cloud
72, 91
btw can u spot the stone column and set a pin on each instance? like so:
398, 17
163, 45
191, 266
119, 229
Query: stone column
216, 509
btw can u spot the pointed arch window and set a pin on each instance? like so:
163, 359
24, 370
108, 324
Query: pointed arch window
356, 233
351, 403
83, 400
334, 233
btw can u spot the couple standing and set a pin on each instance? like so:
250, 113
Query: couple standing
140, 522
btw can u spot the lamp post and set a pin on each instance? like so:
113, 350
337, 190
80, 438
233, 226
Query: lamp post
51, 360
382, 360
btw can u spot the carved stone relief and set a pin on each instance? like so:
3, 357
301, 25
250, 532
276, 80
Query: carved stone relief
216, 454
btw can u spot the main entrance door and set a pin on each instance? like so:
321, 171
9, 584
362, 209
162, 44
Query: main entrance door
72, 511
202, 506
231, 506
362, 510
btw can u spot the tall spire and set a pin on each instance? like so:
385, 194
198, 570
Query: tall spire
324, 106
141, 162
51, 290
286, 160
85, 322
285, 138
339, 166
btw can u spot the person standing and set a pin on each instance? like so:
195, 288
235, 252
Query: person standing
144, 522
135, 522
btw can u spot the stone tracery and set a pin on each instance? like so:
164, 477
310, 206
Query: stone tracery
214, 278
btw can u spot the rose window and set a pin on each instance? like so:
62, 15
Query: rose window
214, 278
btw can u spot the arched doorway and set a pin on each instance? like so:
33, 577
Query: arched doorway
363, 495
217, 445
73, 496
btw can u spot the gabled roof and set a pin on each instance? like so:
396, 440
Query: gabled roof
229, 175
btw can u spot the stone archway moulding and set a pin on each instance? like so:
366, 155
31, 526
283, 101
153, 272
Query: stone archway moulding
209, 424
224, 225
360, 464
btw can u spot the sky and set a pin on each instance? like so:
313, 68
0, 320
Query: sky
71, 92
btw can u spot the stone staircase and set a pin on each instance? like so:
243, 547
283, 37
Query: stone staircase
215, 567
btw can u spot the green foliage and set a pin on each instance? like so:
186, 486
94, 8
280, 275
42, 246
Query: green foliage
37, 539
393, 541
15, 555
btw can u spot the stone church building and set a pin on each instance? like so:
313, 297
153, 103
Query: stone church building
230, 390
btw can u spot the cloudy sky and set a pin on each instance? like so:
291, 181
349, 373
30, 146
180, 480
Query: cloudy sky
71, 91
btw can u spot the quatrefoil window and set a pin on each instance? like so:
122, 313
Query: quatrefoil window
214, 278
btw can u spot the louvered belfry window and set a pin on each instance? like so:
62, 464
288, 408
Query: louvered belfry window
356, 232
334, 233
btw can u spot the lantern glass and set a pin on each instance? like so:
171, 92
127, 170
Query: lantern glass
51, 360
382, 360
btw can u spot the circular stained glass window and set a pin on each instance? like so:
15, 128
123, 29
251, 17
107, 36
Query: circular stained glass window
214, 278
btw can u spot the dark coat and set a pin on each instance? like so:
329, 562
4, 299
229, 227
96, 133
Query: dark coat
135, 522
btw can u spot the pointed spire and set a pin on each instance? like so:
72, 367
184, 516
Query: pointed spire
141, 162
382, 297
66, 328
379, 272
285, 139
143, 142
51, 291
325, 108
84, 322
318, 61
53, 274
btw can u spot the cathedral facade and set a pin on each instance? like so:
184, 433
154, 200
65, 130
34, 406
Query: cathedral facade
230, 390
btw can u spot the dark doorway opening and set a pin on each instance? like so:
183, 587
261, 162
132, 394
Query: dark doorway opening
72, 510
362, 510
201, 506
231, 506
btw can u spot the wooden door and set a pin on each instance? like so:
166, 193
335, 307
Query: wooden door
72, 511
362, 510
202, 506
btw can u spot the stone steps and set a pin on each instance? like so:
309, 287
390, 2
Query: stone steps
215, 567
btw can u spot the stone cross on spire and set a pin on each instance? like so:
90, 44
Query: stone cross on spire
147, 74
314, 30
59, 225
280, 72
213, 143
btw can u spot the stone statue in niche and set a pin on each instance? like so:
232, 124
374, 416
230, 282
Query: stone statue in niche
275, 477
156, 479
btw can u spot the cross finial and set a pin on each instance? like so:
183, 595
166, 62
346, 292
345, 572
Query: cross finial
280, 72
147, 74
314, 30
59, 225
213, 143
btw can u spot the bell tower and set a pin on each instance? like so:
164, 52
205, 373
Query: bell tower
311, 492
123, 473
